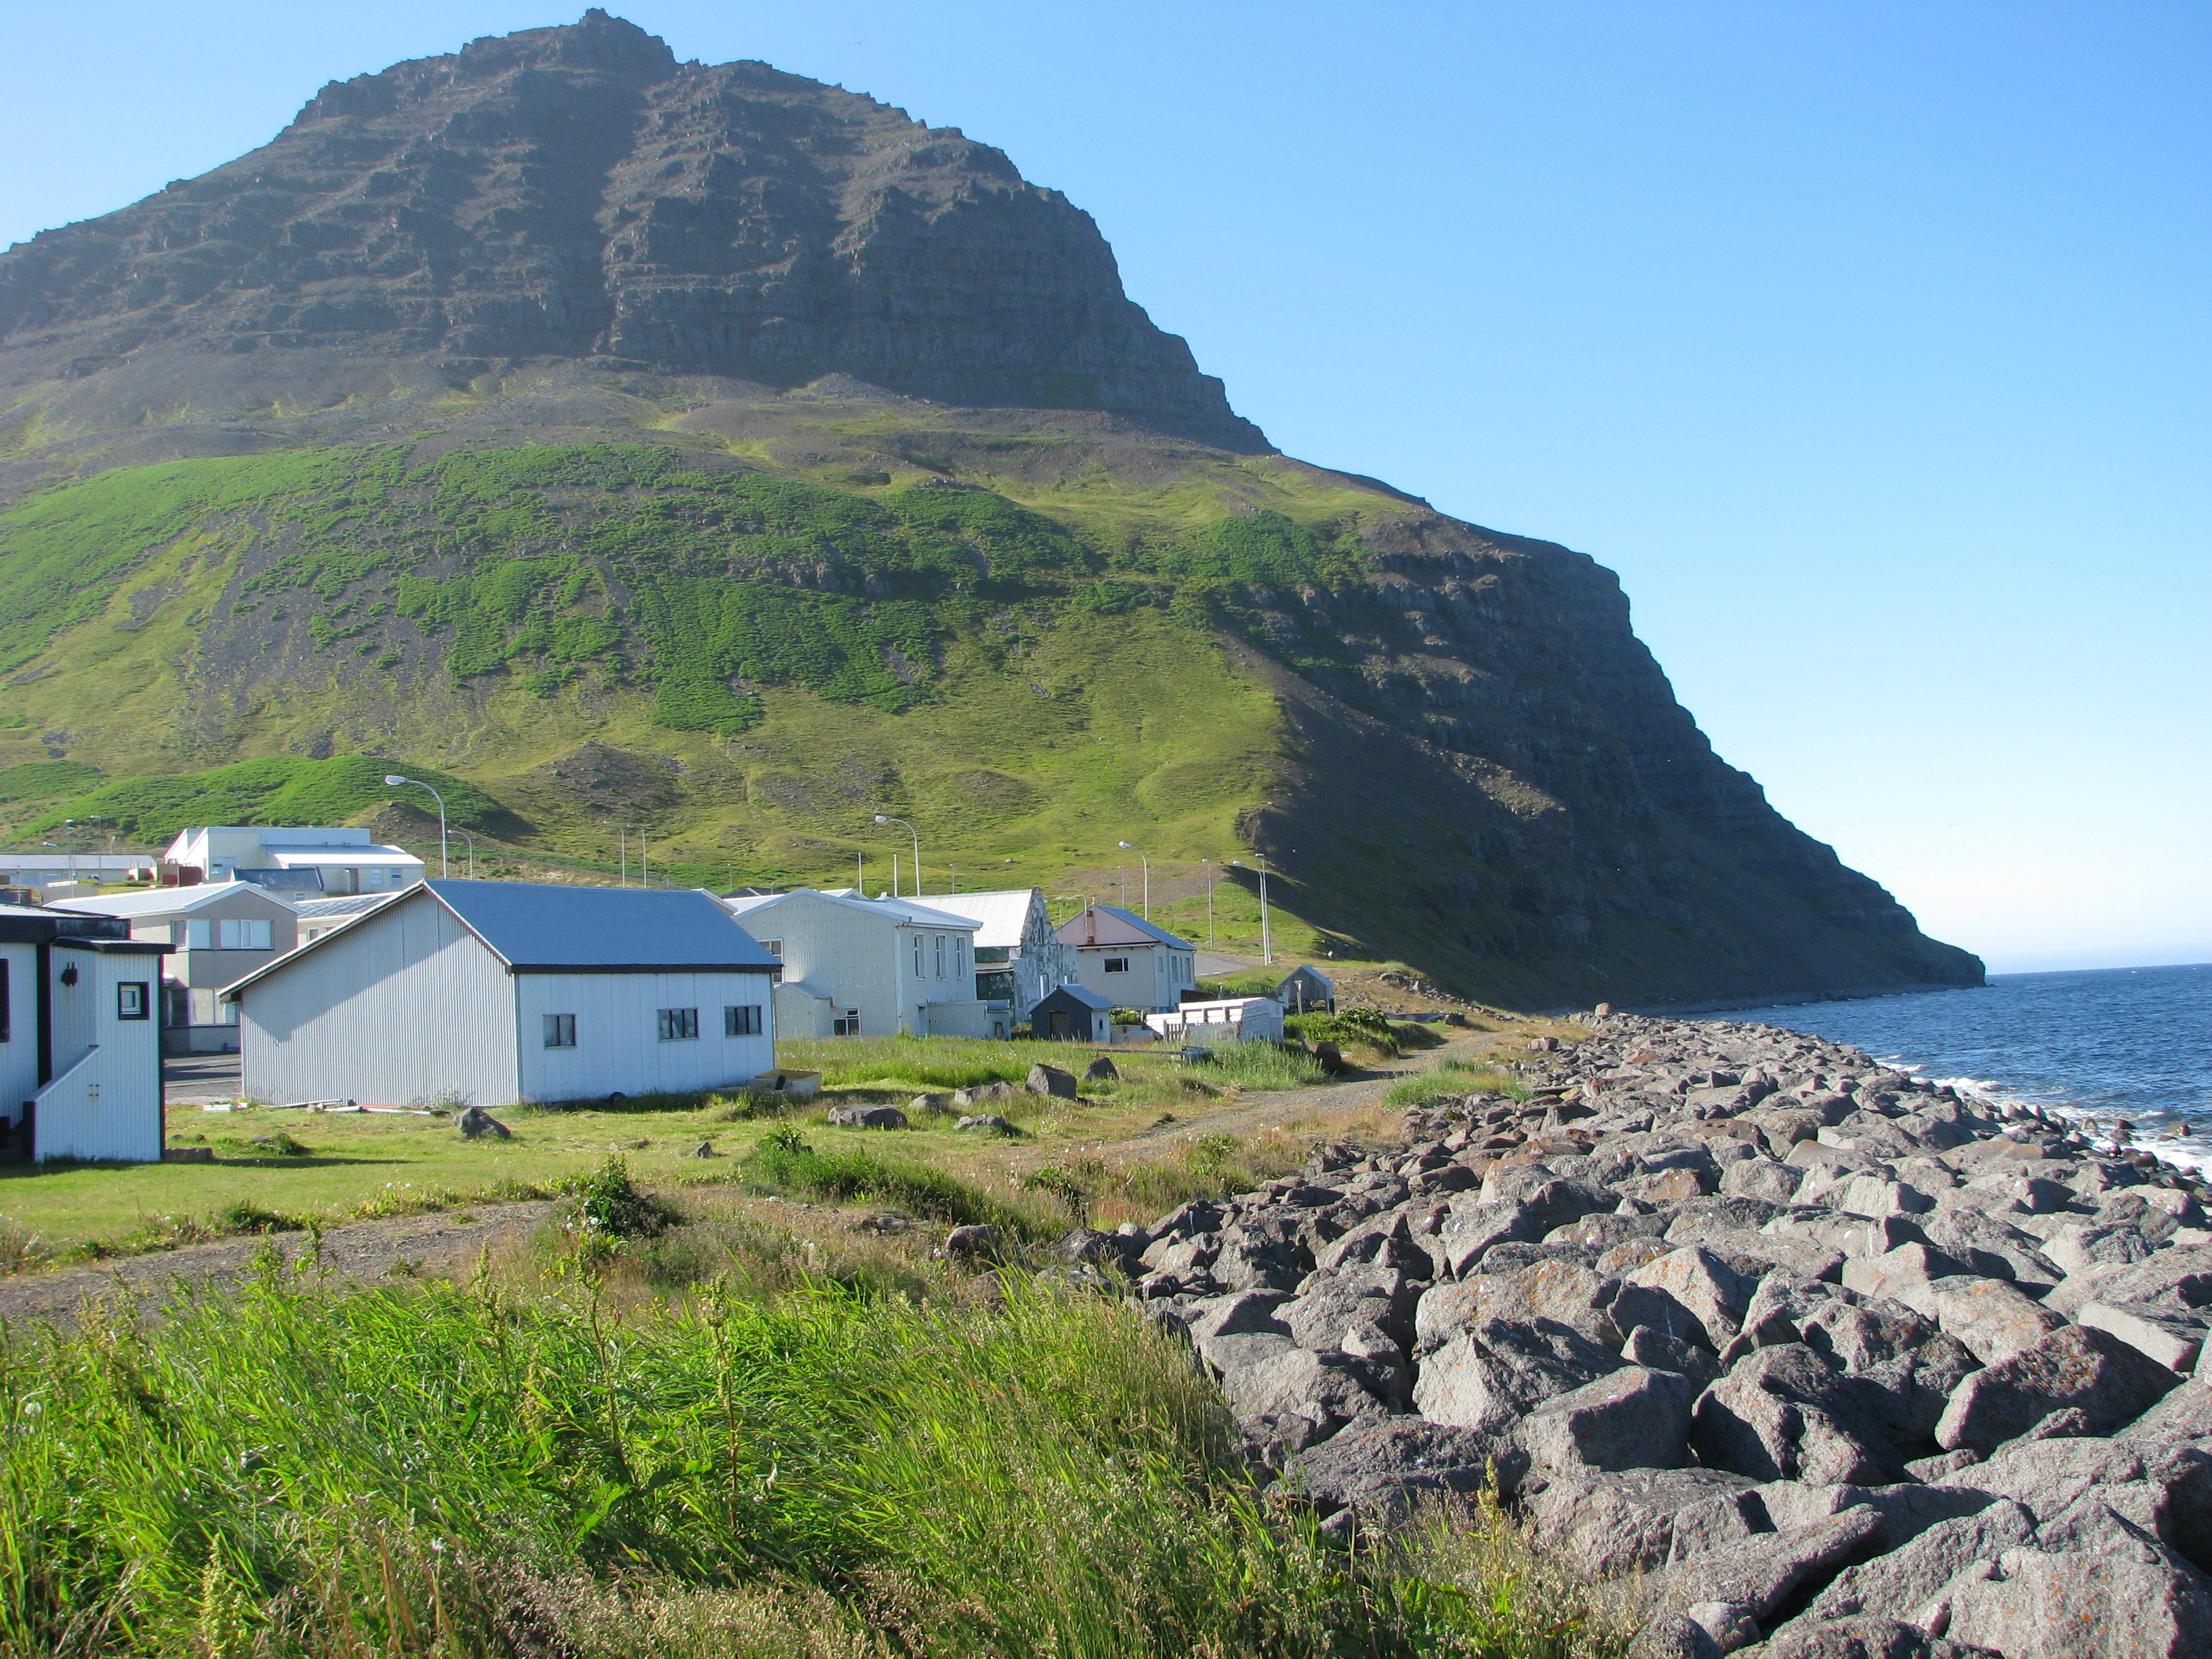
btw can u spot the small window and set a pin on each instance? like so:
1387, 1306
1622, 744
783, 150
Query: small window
846, 1024
774, 947
1117, 964
199, 935
741, 1022
678, 1025
917, 956
131, 1001
242, 934
939, 938
560, 1031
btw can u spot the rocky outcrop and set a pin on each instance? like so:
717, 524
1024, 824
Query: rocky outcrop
1824, 1352
575, 192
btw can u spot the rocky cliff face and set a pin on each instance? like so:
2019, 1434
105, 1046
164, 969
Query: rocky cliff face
577, 192
574, 396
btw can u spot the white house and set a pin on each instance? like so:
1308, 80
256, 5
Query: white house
495, 991
293, 857
1128, 960
1235, 1019
80, 1047
853, 966
1019, 958
219, 933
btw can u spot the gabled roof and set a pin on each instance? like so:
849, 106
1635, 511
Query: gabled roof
544, 929
1002, 918
1090, 999
351, 904
1078, 929
900, 912
165, 901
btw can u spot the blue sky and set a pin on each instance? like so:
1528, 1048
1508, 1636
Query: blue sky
1868, 343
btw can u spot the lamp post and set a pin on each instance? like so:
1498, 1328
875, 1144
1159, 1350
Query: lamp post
1267, 949
1209, 864
885, 818
394, 781
1144, 861
472, 841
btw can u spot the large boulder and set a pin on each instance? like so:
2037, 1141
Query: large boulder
475, 1123
1384, 1466
2090, 1370
1863, 1638
1903, 1581
1492, 1374
2031, 1605
867, 1117
1045, 1079
1689, 1293
1777, 1416
1560, 1291
1994, 1318
1631, 1419
1329, 1304
1607, 1525
1759, 1573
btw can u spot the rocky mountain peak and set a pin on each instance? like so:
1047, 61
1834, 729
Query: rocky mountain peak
575, 192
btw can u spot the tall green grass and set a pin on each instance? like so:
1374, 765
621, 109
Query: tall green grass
786, 1165
441, 1470
1451, 1080
1262, 1066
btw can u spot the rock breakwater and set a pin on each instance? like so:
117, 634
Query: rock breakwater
1836, 1360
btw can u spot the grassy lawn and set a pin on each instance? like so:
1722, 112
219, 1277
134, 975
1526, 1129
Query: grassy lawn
1063, 1155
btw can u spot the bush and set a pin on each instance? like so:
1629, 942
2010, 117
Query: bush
610, 1205
1450, 1081
1360, 1027
1264, 1066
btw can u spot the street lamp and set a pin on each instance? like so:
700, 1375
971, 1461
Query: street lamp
1267, 949
885, 818
472, 841
394, 781
1210, 867
1147, 863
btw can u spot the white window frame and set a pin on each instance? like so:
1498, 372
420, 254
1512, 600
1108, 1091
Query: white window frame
1115, 964
560, 1031
677, 1024
742, 1019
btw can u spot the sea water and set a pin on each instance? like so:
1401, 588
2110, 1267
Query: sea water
2117, 1043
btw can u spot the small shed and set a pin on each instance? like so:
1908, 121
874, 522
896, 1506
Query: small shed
1072, 1014
1307, 991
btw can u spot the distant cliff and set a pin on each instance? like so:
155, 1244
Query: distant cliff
751, 441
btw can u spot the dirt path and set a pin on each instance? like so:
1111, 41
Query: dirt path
362, 1251
1280, 1106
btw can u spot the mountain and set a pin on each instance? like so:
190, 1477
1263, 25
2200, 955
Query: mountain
714, 452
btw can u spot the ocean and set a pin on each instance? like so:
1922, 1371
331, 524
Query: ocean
2128, 1042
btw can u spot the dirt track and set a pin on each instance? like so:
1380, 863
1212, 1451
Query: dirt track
362, 1251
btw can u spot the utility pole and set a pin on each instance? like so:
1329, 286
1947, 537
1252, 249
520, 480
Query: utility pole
1208, 863
1267, 948
1142, 859
394, 781
885, 818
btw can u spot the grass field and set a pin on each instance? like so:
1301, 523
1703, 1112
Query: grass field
280, 1168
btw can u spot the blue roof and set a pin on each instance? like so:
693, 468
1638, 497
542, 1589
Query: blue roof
549, 929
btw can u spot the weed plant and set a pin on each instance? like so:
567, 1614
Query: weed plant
1262, 1066
787, 1164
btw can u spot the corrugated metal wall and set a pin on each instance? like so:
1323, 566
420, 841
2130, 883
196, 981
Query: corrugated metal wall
618, 1048
104, 1103
405, 1005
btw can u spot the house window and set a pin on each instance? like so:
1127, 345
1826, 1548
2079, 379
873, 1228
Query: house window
560, 1031
939, 938
917, 956
678, 1025
229, 934
846, 1024
774, 947
742, 1021
1117, 964
130, 999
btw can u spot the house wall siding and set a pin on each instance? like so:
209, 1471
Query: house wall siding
618, 1041
19, 1055
105, 1101
407, 1005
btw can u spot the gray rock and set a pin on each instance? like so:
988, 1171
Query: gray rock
2052, 1478
1901, 1583
1330, 1304
1675, 1636
1490, 1375
2178, 1278
1656, 1351
1631, 1419
1776, 1416
2076, 1248
476, 1122
1045, 1079
979, 1243
1761, 1572
1893, 1270
1101, 1070
2174, 1337
1689, 1293
1383, 1467
1557, 1290
1995, 1320
987, 1094
1863, 1638
2037, 1606
986, 1122
2089, 1369
1467, 1233
867, 1117
1764, 1178
1607, 1525
1326, 1388
2184, 1414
